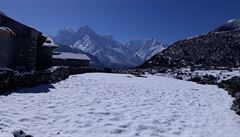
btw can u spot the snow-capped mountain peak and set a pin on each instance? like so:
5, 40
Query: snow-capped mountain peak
86, 30
68, 30
145, 48
84, 44
110, 52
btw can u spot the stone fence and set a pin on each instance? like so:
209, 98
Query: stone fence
12, 80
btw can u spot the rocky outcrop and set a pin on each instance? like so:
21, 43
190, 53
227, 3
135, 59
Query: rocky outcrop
219, 48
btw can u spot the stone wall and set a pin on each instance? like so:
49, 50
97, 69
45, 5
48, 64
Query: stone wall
25, 45
6, 49
44, 57
11, 80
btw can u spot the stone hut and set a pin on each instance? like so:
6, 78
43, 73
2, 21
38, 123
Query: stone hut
45, 53
6, 47
22, 47
70, 59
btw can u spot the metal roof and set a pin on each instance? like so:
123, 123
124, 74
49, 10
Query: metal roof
67, 55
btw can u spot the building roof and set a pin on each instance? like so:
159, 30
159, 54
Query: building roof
50, 43
2, 13
67, 55
3, 16
7, 30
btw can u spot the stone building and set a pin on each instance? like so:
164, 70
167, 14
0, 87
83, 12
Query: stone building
23, 47
45, 54
70, 59
6, 47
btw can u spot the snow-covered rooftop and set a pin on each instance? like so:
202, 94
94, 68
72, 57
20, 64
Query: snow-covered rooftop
2, 13
67, 55
6, 29
50, 43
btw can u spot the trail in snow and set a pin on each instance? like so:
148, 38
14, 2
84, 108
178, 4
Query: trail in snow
115, 105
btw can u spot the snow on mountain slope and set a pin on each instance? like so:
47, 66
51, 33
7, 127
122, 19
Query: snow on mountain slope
110, 52
117, 105
65, 37
145, 48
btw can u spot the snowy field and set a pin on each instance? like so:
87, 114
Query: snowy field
117, 105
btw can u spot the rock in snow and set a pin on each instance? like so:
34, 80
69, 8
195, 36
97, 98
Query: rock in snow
17, 133
120, 105
20, 133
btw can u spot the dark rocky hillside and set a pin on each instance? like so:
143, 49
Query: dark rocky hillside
231, 25
218, 48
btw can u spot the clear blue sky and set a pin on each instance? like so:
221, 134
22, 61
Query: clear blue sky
164, 20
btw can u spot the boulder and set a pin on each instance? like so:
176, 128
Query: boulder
20, 133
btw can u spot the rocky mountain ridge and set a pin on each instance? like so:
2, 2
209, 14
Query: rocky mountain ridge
218, 48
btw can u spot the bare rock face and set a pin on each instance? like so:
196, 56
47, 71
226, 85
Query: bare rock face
219, 48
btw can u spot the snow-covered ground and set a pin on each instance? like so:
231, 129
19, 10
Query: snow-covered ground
119, 105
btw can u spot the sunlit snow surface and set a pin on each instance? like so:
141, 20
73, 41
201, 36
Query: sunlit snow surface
116, 105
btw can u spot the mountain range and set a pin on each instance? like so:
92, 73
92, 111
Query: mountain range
105, 51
